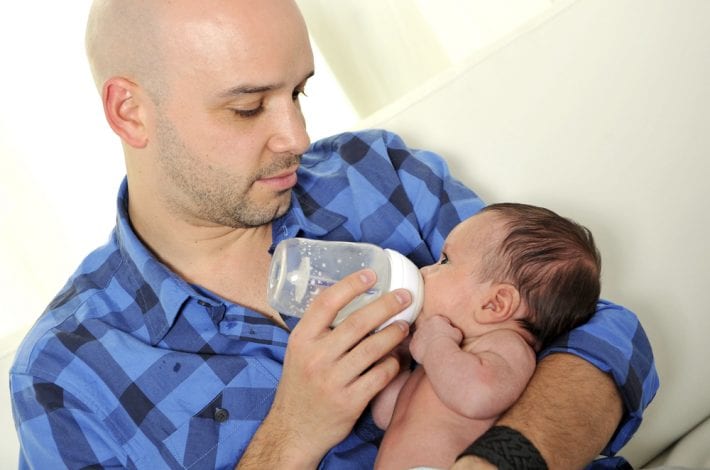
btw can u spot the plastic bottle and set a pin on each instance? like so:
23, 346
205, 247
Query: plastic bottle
301, 268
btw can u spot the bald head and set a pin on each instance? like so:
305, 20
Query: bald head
204, 95
123, 39
145, 40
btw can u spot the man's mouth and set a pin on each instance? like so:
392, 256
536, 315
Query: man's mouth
282, 180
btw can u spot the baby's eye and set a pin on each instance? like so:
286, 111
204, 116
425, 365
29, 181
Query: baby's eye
297, 93
444, 259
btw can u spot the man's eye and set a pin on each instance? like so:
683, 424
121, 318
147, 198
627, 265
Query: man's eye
443, 259
247, 113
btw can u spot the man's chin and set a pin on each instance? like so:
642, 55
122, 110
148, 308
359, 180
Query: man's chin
265, 215
281, 211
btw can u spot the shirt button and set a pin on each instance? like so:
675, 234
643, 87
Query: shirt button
221, 415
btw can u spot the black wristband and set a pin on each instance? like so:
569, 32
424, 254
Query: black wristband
507, 449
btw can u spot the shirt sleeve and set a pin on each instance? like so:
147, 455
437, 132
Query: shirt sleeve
439, 201
414, 209
614, 341
388, 193
55, 426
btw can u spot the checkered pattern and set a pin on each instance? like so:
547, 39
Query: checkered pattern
130, 366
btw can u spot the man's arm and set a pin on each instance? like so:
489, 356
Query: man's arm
569, 411
58, 428
590, 390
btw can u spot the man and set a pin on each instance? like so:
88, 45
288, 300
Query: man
161, 351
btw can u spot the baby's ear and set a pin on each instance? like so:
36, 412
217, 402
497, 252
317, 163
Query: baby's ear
500, 304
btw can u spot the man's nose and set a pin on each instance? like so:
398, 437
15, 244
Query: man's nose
290, 134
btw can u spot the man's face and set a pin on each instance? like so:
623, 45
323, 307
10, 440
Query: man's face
453, 286
229, 130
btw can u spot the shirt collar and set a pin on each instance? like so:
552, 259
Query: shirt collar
171, 290
306, 217
295, 222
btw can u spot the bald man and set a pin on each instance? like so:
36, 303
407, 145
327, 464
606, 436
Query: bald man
162, 352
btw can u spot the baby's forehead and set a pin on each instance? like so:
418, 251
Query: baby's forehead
483, 222
482, 228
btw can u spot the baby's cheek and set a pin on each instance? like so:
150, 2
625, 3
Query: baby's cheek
429, 302
424, 313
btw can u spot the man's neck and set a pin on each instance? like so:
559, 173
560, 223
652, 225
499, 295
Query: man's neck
230, 262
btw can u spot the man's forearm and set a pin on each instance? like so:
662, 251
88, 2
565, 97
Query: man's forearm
272, 447
569, 411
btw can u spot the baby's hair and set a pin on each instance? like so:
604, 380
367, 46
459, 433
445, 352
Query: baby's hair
554, 264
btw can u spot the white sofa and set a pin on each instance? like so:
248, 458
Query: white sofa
601, 111
8, 444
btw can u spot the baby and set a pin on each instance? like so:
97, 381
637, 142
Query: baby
510, 279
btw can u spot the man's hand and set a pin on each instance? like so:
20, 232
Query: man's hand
329, 375
429, 331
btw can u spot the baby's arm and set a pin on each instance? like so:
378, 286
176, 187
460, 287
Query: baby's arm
480, 381
382, 406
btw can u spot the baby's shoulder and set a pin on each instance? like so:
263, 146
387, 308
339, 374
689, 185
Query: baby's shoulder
505, 342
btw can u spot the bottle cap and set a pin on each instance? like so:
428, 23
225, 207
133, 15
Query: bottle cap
405, 274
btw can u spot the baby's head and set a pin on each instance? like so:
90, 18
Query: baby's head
515, 262
552, 261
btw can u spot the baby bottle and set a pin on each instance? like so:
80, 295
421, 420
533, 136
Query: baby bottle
302, 268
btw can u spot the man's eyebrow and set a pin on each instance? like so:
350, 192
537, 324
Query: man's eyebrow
248, 89
251, 89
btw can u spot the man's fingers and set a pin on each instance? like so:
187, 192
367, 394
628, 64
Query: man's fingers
365, 320
369, 384
327, 304
345, 355
373, 349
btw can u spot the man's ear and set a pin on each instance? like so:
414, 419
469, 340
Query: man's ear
124, 111
500, 304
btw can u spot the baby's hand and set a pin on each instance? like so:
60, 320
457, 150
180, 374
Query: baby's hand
402, 354
430, 330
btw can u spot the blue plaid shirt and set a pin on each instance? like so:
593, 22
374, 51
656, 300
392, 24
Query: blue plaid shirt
130, 366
